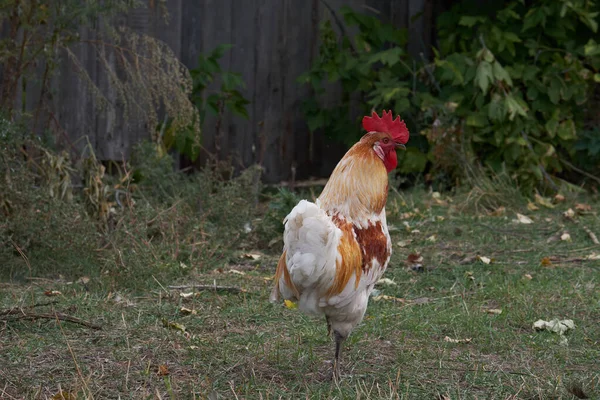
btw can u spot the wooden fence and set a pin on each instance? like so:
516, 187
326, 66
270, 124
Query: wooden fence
274, 41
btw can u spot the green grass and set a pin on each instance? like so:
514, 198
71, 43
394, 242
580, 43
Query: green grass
238, 345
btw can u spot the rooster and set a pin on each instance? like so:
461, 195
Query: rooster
337, 248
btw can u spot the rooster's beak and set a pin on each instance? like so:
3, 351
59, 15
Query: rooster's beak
400, 146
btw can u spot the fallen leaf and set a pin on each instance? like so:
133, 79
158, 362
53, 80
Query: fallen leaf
290, 304
436, 195
62, 395
495, 311
498, 211
484, 259
532, 207
528, 277
569, 213
162, 370
251, 256
415, 231
582, 208
543, 201
404, 243
559, 198
407, 215
174, 325
235, 271
273, 241
592, 256
194, 347
187, 311
83, 280
51, 293
386, 297
186, 295
546, 262
565, 237
386, 282
450, 340
183, 265
468, 260
555, 325
431, 238
439, 218
523, 219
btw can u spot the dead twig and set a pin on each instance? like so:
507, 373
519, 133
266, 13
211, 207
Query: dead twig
20, 313
580, 171
10, 311
591, 234
232, 289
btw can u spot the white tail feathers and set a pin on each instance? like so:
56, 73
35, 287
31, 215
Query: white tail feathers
310, 240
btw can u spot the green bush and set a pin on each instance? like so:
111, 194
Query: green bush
374, 72
507, 90
517, 83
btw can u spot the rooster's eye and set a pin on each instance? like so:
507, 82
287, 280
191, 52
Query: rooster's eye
386, 140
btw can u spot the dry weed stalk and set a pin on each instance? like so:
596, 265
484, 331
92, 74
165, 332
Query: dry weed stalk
145, 78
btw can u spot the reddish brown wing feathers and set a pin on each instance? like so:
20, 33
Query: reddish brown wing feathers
373, 244
358, 247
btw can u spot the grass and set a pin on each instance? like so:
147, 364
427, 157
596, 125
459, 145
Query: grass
238, 345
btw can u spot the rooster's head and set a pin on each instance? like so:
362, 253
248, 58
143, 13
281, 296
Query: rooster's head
385, 136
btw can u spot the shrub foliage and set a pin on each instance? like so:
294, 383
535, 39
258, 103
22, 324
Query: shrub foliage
509, 88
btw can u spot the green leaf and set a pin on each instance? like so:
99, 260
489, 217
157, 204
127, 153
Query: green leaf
219, 51
533, 18
484, 76
388, 57
514, 107
554, 90
315, 121
597, 78
512, 37
532, 93
477, 120
501, 74
566, 130
530, 72
552, 124
450, 72
496, 109
470, 21
591, 48
412, 161
589, 20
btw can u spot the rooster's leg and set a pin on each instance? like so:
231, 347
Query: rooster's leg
328, 326
338, 349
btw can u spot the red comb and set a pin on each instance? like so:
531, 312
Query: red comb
397, 128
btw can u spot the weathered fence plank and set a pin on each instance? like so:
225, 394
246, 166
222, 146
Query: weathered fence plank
274, 41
